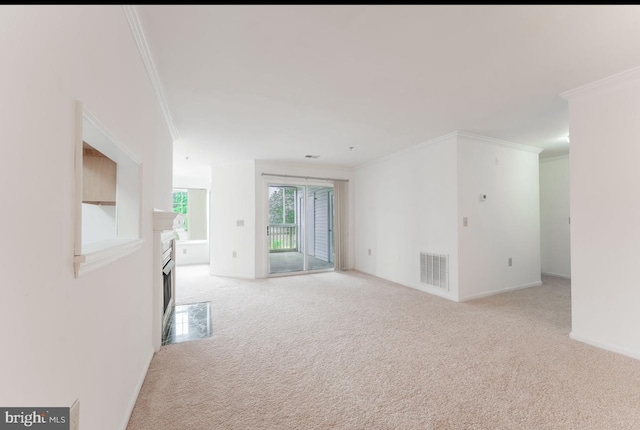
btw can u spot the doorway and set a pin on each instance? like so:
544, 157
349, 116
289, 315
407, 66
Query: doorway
300, 230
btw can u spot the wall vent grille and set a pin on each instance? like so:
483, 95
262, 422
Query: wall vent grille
434, 270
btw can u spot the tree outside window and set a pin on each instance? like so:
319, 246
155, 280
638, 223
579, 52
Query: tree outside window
282, 202
192, 204
181, 204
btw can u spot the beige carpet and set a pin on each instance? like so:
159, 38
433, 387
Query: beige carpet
350, 351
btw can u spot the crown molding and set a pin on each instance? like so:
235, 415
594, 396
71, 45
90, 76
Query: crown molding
556, 158
500, 142
135, 25
408, 150
445, 137
609, 81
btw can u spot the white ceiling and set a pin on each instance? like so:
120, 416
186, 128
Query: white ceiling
280, 82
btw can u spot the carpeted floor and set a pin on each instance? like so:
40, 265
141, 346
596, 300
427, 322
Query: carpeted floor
350, 351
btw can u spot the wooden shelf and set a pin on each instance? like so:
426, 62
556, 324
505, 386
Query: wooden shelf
98, 177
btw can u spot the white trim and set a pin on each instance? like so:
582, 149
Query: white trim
618, 78
500, 142
613, 348
453, 134
557, 275
105, 253
306, 178
407, 150
78, 171
435, 291
448, 295
301, 273
89, 116
137, 30
136, 392
500, 291
166, 220
272, 164
556, 158
232, 275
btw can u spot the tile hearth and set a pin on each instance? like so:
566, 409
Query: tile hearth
188, 322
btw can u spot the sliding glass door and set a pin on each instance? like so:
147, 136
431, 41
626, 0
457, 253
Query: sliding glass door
300, 230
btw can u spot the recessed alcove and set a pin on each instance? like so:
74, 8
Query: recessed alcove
108, 196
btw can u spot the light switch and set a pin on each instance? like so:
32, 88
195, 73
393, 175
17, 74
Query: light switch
465, 222
240, 223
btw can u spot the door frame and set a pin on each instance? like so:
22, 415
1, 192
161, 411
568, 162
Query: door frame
288, 182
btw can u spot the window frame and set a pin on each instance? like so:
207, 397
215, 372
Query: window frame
187, 216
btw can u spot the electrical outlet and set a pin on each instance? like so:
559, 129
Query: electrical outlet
74, 416
510, 261
234, 254
369, 251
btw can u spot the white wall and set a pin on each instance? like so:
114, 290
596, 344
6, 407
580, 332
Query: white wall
98, 222
555, 240
605, 209
415, 201
232, 199
405, 204
192, 252
88, 338
261, 202
196, 251
506, 224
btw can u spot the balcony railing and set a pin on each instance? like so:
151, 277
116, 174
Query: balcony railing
283, 237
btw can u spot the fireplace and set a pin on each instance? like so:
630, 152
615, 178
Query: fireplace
167, 279
164, 274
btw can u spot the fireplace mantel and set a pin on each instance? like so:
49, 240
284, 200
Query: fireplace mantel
167, 221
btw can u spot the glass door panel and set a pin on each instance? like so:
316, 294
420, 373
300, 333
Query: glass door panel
319, 228
286, 237
300, 229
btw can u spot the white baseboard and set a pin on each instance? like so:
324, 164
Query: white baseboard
557, 275
232, 275
136, 392
434, 291
500, 291
613, 348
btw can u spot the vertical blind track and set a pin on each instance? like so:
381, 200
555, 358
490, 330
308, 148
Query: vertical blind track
305, 177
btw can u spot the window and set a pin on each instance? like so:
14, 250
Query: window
192, 203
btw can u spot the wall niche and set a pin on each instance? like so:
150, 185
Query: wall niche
108, 196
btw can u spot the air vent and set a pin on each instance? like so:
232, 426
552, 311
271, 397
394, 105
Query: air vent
434, 270
311, 156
